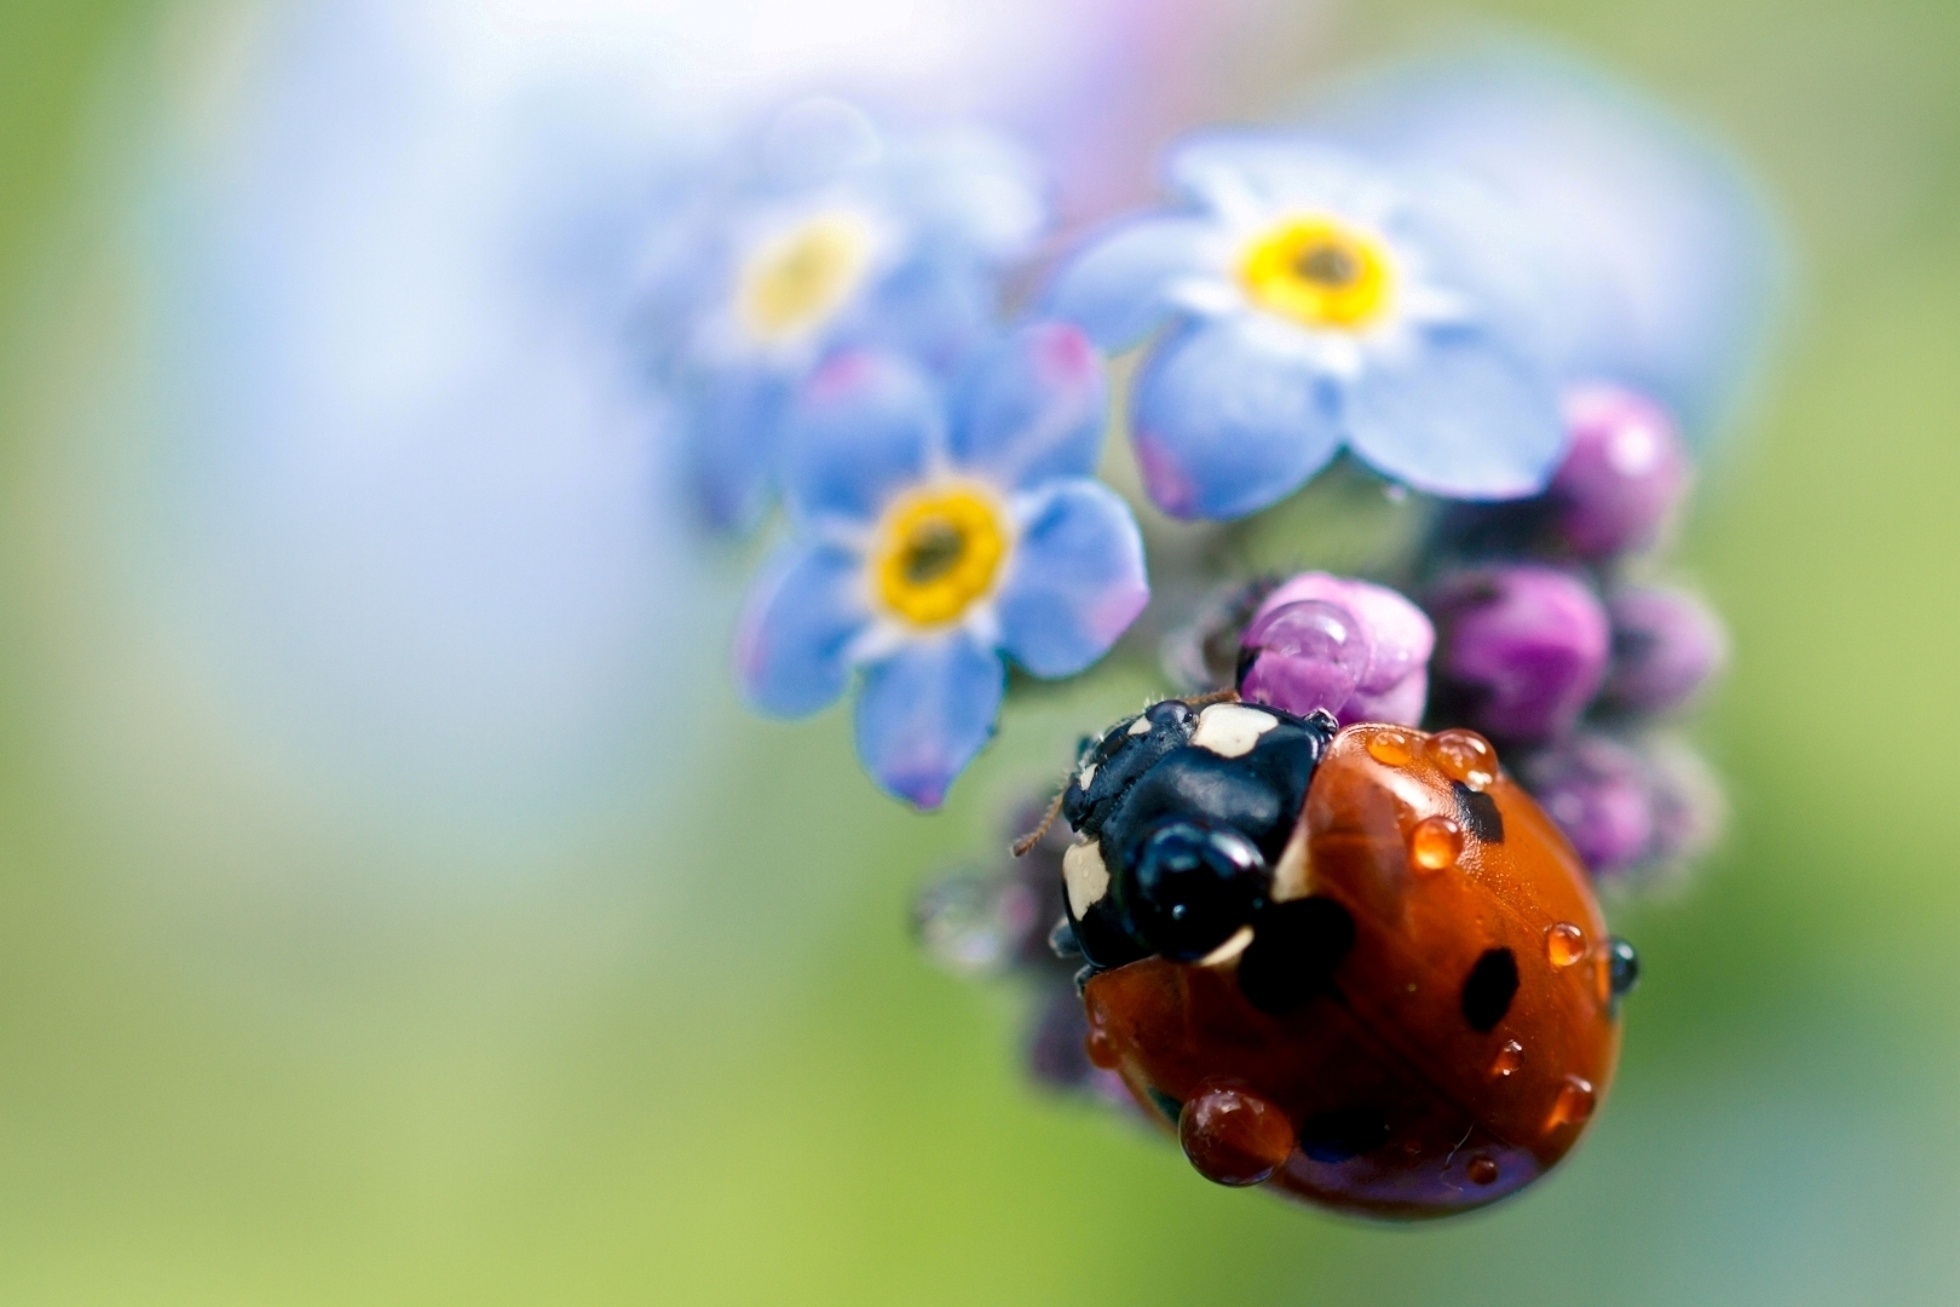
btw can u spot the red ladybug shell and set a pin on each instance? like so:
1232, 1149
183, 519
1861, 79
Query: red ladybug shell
1427, 1073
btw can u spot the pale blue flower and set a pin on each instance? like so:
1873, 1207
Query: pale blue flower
1317, 303
824, 236
939, 527
1666, 266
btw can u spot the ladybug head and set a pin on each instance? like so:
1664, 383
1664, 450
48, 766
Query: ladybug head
1182, 811
1191, 884
1111, 763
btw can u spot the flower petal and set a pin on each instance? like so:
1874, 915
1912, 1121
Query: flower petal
864, 427
1225, 425
1474, 251
1078, 579
1122, 287
731, 423
1035, 408
925, 712
932, 310
1461, 417
796, 627
968, 188
1670, 267
1247, 173
812, 141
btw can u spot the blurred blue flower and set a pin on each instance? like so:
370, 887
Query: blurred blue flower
823, 236
937, 526
1665, 267
1318, 304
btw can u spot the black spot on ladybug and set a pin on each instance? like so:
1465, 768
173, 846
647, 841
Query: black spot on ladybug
1623, 970
1340, 1135
1170, 1107
1295, 947
1489, 989
1478, 813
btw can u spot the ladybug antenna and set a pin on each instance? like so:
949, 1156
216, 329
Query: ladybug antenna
1021, 847
1229, 694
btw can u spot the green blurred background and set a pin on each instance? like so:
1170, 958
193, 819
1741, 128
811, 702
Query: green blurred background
257, 1048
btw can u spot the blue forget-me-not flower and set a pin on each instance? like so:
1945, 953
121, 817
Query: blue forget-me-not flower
828, 236
1667, 268
1315, 305
939, 526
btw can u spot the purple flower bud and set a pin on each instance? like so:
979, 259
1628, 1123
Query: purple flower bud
1304, 657
1057, 1042
1357, 650
1624, 474
1597, 791
1524, 649
1690, 809
1057, 1054
1667, 645
1627, 808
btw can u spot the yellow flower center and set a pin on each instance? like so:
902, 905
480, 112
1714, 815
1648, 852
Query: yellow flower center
795, 282
939, 552
1320, 273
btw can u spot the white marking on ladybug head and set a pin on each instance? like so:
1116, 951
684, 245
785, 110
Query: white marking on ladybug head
1229, 950
1294, 872
1231, 729
1084, 877
1086, 776
1141, 726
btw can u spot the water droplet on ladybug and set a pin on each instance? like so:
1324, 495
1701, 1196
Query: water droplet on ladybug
1574, 1104
1304, 656
1622, 968
1508, 1061
1481, 1170
1565, 944
1435, 844
1391, 748
1234, 1137
1619, 972
1464, 756
1101, 1049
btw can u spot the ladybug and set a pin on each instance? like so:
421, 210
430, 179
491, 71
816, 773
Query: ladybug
1359, 966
